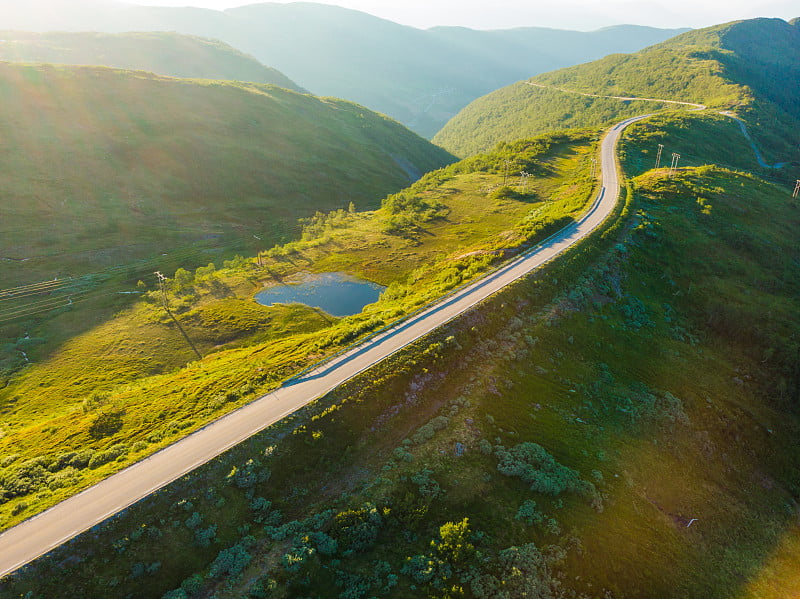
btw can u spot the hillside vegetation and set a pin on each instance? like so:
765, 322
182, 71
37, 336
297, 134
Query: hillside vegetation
78, 408
622, 425
111, 175
422, 78
162, 53
103, 167
727, 67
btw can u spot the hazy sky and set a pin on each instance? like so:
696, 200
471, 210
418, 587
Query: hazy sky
571, 14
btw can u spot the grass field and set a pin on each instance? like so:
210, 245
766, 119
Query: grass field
131, 384
163, 173
631, 412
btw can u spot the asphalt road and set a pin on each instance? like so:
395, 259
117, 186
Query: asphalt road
38, 535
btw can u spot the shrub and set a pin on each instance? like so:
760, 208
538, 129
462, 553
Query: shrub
8, 460
403, 455
263, 588
428, 487
357, 530
426, 431
193, 584
528, 513
294, 560
355, 586
194, 520
422, 568
109, 455
204, 536
454, 545
106, 424
325, 545
230, 562
250, 474
532, 463
485, 447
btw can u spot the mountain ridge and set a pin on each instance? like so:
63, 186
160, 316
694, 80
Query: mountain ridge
163, 53
419, 77
720, 66
207, 157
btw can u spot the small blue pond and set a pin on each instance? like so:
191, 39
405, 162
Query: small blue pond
337, 293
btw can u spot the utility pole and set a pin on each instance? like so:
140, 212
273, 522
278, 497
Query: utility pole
162, 280
258, 251
796, 189
658, 156
523, 177
162, 283
505, 176
675, 158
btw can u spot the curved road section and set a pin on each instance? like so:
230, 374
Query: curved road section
38, 535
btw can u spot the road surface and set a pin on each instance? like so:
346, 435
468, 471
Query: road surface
38, 535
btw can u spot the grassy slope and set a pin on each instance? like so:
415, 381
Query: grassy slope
110, 175
99, 159
131, 367
421, 78
719, 66
162, 53
659, 363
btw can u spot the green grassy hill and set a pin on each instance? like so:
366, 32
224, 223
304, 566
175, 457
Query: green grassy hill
135, 365
422, 78
623, 425
162, 53
103, 167
746, 66
110, 175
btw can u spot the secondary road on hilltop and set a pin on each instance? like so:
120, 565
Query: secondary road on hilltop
742, 125
625, 98
38, 535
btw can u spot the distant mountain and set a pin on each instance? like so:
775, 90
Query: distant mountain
163, 53
421, 78
104, 166
752, 67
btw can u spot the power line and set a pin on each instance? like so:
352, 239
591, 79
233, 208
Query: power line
4, 318
658, 156
796, 189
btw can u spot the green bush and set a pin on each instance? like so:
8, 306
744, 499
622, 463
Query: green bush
230, 562
428, 487
357, 530
528, 513
109, 455
205, 536
536, 467
248, 475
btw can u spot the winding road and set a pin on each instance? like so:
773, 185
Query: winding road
742, 125
38, 535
